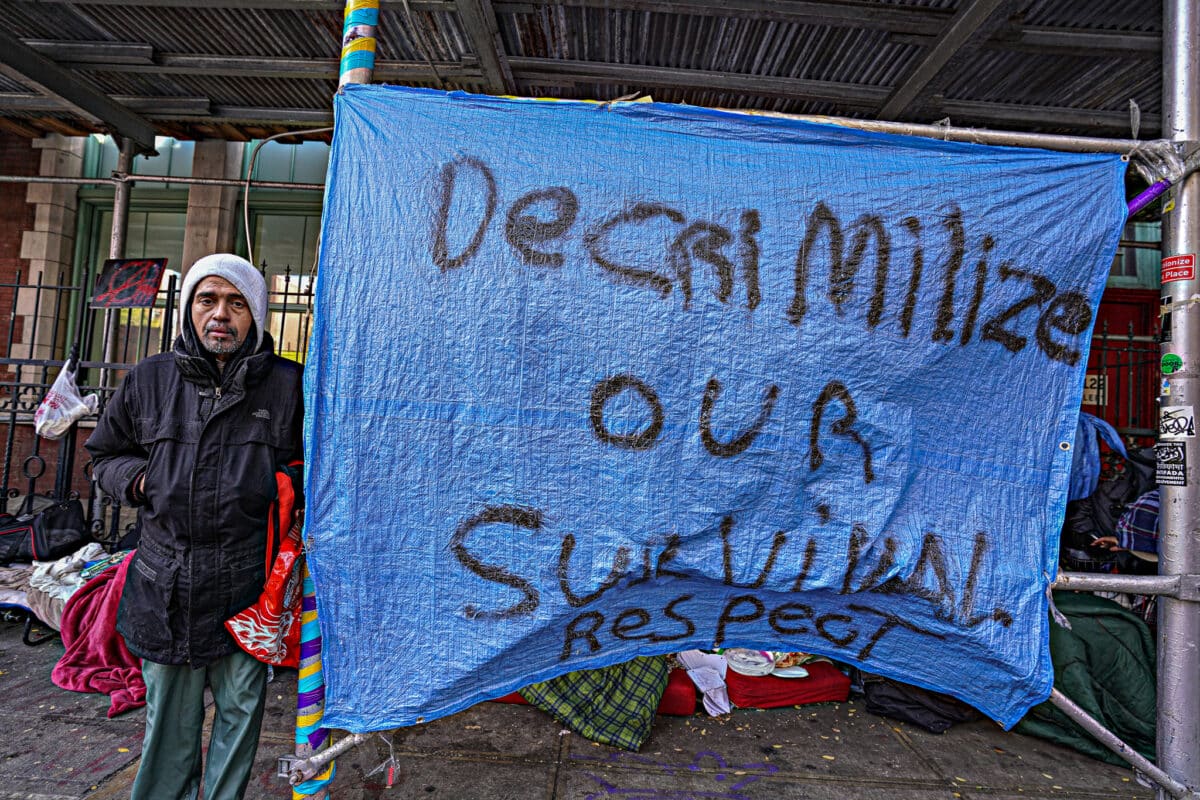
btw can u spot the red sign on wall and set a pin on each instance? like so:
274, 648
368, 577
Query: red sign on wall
1179, 268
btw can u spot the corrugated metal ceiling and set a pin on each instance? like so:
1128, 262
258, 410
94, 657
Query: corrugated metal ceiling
1063, 66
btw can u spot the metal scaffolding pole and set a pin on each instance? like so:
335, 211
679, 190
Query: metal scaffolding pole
358, 41
1179, 548
116, 248
1103, 735
121, 190
311, 770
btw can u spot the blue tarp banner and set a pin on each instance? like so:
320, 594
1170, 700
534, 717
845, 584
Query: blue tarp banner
590, 381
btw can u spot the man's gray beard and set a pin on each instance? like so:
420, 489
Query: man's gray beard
224, 347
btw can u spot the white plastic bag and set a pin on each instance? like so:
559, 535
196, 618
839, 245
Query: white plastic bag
62, 406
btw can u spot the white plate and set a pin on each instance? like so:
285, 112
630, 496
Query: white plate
790, 672
749, 662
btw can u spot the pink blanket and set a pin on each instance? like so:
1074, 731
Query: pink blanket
97, 659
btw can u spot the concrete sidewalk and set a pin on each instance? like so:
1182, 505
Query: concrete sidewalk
60, 746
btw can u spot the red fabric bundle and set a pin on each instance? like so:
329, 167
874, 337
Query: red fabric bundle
96, 658
825, 682
269, 630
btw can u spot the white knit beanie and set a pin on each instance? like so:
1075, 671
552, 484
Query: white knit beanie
238, 271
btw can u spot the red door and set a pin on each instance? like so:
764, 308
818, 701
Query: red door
1123, 368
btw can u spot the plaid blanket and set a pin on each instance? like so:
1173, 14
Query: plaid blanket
613, 705
1137, 529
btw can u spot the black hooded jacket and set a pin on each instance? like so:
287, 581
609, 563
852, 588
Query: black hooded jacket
209, 443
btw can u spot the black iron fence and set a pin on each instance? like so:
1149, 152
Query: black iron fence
38, 326
1121, 382
51, 325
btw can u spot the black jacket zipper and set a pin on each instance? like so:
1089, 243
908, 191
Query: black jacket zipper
212, 412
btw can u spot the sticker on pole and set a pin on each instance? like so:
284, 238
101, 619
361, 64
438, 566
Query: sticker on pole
1171, 363
1171, 463
1179, 268
1176, 422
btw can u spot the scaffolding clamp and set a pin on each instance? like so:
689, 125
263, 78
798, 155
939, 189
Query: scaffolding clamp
1189, 588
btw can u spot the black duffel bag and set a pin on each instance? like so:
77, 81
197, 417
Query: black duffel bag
933, 711
51, 533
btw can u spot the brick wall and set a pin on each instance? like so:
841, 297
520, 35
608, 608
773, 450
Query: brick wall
17, 157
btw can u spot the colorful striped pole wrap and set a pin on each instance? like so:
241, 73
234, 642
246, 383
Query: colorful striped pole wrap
311, 738
358, 41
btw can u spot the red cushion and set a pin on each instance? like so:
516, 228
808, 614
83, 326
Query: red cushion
512, 697
678, 700
825, 682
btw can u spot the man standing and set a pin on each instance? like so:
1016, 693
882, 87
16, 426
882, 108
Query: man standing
194, 438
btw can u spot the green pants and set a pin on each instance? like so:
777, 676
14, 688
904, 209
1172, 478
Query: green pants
170, 768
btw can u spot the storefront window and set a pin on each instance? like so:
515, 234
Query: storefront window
1136, 264
150, 234
285, 244
286, 240
297, 163
174, 158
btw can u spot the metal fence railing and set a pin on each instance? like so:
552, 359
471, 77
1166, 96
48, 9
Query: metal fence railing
1121, 384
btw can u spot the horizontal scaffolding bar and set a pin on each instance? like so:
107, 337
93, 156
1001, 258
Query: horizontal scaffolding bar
1046, 141
311, 187
307, 768
1167, 585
